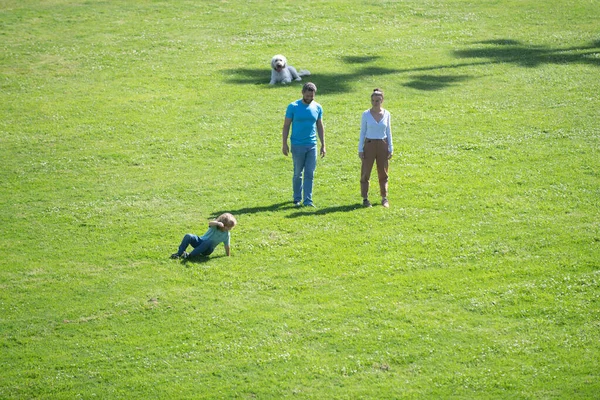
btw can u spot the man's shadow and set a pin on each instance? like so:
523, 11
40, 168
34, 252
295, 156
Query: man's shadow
310, 211
286, 206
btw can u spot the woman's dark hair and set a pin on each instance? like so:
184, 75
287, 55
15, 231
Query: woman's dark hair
377, 92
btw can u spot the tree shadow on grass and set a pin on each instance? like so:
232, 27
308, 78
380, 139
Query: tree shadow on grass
486, 52
329, 83
435, 82
309, 211
262, 76
247, 76
507, 51
332, 83
359, 59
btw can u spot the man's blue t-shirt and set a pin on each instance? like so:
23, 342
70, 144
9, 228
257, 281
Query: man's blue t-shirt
304, 122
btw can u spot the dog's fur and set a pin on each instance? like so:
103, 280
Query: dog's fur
286, 72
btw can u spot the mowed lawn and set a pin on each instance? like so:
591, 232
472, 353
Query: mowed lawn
126, 124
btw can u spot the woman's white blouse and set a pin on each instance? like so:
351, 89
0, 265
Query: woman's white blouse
371, 129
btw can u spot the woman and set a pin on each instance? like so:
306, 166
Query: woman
375, 145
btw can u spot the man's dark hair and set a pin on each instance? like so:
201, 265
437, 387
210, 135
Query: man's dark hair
309, 87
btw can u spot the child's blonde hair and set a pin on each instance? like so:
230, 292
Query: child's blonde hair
227, 219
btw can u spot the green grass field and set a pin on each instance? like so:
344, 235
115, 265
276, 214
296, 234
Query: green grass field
126, 124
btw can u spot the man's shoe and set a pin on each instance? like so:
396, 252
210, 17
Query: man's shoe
297, 204
367, 203
385, 203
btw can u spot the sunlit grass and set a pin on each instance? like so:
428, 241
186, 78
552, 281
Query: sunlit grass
125, 125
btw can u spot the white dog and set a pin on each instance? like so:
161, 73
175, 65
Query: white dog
281, 72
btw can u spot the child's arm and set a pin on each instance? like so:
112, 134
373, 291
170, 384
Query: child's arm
227, 251
216, 223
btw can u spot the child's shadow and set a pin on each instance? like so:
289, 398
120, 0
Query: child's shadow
199, 259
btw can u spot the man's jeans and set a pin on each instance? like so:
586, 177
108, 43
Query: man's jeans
305, 159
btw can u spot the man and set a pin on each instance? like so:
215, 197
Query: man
305, 116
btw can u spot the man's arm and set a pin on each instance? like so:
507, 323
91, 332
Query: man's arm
284, 135
321, 132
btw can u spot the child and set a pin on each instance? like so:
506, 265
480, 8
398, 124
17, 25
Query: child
218, 232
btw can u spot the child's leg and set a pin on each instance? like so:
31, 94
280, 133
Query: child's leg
203, 248
188, 239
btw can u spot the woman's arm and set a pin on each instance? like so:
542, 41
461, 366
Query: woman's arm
389, 135
361, 138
